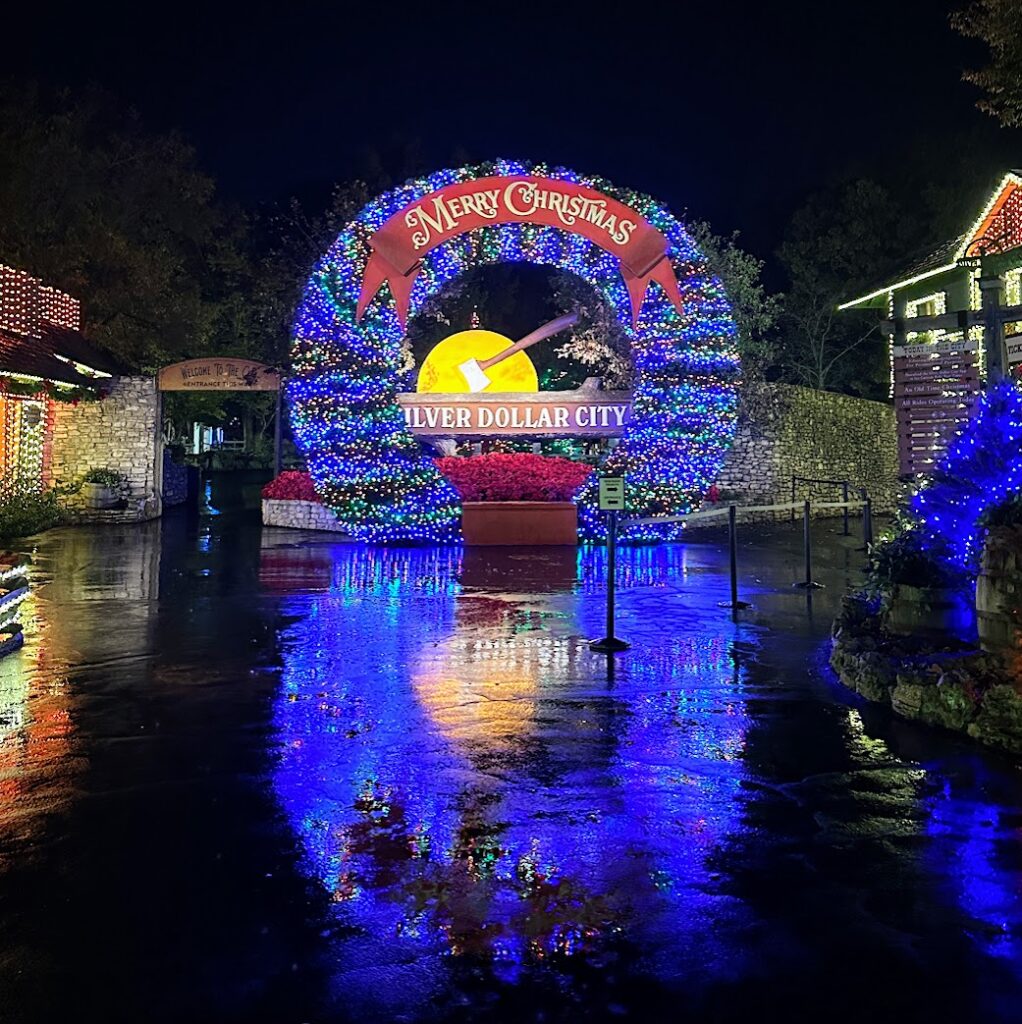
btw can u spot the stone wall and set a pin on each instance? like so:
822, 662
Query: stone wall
999, 592
299, 515
786, 430
120, 432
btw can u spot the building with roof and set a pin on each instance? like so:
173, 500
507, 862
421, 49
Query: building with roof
953, 322
66, 406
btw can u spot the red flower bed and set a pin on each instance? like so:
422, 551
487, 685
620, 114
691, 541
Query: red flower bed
291, 486
518, 477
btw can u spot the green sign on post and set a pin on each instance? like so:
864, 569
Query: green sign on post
612, 494
612, 500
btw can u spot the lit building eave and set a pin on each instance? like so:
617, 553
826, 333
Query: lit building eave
990, 210
29, 378
888, 288
83, 368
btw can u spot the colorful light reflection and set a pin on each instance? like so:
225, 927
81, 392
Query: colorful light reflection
468, 789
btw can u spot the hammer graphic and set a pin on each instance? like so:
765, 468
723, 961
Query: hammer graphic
474, 371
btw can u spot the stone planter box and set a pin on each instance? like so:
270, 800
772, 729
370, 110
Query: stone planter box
299, 515
999, 592
927, 611
100, 496
494, 523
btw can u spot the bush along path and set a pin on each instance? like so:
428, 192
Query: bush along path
937, 631
952, 685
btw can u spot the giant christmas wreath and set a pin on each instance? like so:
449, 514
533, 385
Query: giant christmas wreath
375, 475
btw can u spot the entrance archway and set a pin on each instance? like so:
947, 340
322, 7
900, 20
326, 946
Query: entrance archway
405, 246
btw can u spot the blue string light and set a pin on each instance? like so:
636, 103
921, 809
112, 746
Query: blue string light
982, 469
380, 482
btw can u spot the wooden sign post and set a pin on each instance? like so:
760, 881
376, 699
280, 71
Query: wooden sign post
935, 385
224, 373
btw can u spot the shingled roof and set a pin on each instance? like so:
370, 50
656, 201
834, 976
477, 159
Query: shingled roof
946, 256
23, 356
75, 346
40, 334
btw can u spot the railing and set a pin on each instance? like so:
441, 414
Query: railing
732, 511
843, 484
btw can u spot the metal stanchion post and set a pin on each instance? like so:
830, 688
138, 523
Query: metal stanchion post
807, 541
844, 498
732, 531
807, 544
867, 521
610, 642
732, 536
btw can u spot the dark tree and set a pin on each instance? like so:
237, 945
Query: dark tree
998, 23
841, 242
123, 219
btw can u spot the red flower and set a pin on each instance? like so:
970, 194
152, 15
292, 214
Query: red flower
517, 477
291, 486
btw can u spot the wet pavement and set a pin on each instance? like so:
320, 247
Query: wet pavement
253, 775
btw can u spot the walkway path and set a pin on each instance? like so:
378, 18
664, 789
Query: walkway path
249, 777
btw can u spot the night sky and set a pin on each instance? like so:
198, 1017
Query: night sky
729, 111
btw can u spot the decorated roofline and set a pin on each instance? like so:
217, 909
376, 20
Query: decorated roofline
26, 303
998, 198
41, 341
965, 248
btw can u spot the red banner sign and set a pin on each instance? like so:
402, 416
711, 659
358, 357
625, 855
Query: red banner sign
398, 246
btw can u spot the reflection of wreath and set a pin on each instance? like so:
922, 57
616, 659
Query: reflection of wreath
376, 477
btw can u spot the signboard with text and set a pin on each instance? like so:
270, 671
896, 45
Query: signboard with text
542, 414
219, 374
612, 493
935, 384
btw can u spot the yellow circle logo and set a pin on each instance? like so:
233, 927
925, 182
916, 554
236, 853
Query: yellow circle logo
453, 367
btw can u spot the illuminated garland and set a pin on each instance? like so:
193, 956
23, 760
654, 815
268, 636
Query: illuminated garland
372, 472
31, 387
23, 455
982, 468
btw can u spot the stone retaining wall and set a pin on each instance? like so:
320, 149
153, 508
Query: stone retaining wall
120, 432
786, 430
299, 515
952, 686
999, 592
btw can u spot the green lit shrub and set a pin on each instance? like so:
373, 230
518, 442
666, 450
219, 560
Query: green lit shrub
104, 477
23, 514
903, 560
